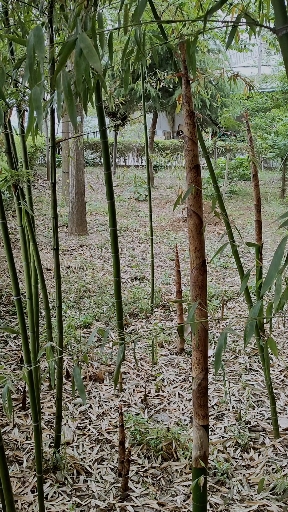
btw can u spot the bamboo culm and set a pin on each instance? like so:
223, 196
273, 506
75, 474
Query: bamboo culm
247, 295
7, 498
147, 157
26, 355
55, 235
112, 226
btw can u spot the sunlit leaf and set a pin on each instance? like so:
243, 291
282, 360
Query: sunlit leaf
272, 345
221, 346
90, 52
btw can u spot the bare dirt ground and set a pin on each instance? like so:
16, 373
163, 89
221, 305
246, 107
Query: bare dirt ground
248, 468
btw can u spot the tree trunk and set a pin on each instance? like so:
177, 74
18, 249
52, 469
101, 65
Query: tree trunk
77, 223
198, 288
115, 152
65, 157
152, 132
283, 178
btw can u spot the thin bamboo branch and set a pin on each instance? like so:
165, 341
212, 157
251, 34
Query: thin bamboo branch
147, 157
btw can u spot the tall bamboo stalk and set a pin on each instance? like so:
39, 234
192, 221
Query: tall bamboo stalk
41, 277
26, 355
112, 226
8, 504
55, 234
247, 295
198, 293
152, 132
10, 149
147, 157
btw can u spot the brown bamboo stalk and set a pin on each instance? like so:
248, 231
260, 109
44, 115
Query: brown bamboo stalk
121, 448
255, 185
126, 471
198, 291
179, 304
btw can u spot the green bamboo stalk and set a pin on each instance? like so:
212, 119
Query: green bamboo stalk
26, 355
247, 295
34, 344
281, 24
113, 228
55, 234
147, 157
7, 497
38, 266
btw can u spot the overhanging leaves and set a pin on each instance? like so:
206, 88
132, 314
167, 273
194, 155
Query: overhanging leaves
274, 266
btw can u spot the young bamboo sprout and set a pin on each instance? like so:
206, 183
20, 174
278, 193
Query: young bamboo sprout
179, 304
126, 471
121, 448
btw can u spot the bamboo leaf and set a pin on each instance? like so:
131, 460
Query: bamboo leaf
221, 346
137, 15
283, 300
14, 39
251, 323
284, 224
272, 345
65, 53
37, 103
233, 31
274, 266
101, 33
7, 329
39, 43
79, 383
284, 216
252, 244
278, 291
90, 52
69, 99
244, 281
187, 193
261, 485
269, 311
110, 47
219, 251
79, 68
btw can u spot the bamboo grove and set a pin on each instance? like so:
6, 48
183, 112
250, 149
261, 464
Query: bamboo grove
59, 58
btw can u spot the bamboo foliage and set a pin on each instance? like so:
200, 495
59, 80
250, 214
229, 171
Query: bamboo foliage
113, 228
147, 157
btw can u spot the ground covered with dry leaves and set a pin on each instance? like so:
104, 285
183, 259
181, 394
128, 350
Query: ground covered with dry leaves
248, 469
